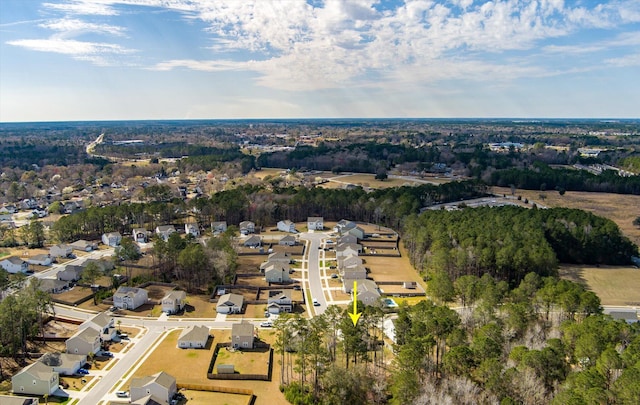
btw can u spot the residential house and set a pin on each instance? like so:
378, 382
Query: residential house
218, 226
112, 239
279, 301
346, 239
84, 245
279, 257
247, 227
63, 363
140, 235
164, 231
84, 341
52, 285
349, 276
349, 261
343, 226
149, 400
40, 260
174, 302
70, 273
357, 232
348, 249
194, 337
61, 250
230, 304
103, 323
368, 292
14, 265
160, 385
35, 379
288, 240
242, 335
130, 297
253, 241
277, 273
192, 228
315, 223
286, 226
17, 400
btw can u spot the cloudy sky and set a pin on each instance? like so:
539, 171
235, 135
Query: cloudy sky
182, 59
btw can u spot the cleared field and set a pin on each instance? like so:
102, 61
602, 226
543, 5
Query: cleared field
257, 280
369, 180
59, 328
74, 294
208, 398
264, 172
614, 285
156, 292
250, 264
198, 306
620, 208
391, 269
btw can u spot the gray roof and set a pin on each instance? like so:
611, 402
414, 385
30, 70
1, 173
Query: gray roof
89, 335
176, 295
38, 370
231, 299
166, 228
64, 360
314, 219
194, 333
48, 284
101, 319
128, 291
242, 329
15, 260
161, 378
17, 400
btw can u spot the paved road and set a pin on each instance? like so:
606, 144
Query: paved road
52, 272
313, 270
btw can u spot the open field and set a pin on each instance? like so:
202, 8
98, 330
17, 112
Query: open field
250, 264
208, 398
198, 306
244, 362
267, 171
620, 208
614, 285
366, 180
390, 269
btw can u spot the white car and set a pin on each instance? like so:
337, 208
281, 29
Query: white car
266, 324
122, 394
316, 303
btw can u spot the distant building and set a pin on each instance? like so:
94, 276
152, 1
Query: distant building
164, 231
277, 273
218, 226
84, 245
102, 323
247, 227
70, 273
61, 250
279, 301
288, 240
253, 241
140, 235
112, 239
40, 260
192, 229
84, 341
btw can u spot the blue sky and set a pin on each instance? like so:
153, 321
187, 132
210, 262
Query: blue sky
183, 59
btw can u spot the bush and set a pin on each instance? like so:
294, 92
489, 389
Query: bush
296, 396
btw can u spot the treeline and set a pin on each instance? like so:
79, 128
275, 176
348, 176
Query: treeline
357, 157
542, 177
545, 341
23, 155
266, 207
508, 242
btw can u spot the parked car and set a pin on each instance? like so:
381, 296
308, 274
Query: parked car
316, 303
297, 287
266, 324
83, 371
106, 354
334, 275
122, 394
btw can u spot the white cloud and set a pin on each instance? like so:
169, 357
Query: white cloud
69, 47
84, 7
75, 26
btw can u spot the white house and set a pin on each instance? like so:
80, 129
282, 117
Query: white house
84, 341
218, 226
277, 273
174, 302
130, 297
140, 235
160, 385
247, 227
63, 363
40, 260
279, 301
286, 226
35, 379
194, 337
315, 223
14, 265
112, 239
230, 304
102, 323
61, 250
164, 231
192, 228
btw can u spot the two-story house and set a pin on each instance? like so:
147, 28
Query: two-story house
130, 297
14, 265
279, 301
174, 302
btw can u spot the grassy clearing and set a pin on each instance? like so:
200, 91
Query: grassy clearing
390, 268
244, 362
614, 285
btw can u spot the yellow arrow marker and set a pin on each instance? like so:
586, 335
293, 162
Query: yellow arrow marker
355, 315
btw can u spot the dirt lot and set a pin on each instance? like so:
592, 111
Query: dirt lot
250, 264
60, 328
156, 292
391, 289
621, 209
614, 285
74, 294
258, 280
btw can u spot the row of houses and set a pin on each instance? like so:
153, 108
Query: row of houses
277, 302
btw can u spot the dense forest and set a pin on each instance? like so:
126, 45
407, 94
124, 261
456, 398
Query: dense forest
509, 242
543, 341
264, 206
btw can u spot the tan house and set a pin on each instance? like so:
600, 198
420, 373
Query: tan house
35, 379
242, 335
174, 302
194, 337
277, 273
84, 341
160, 385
